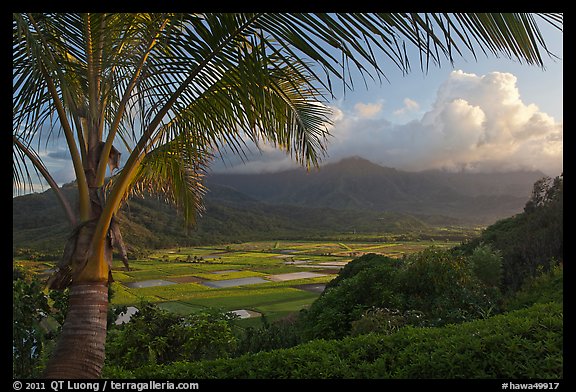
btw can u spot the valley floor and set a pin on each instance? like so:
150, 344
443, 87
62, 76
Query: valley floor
271, 278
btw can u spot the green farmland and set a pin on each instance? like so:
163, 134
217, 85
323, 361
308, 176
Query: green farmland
191, 269
271, 278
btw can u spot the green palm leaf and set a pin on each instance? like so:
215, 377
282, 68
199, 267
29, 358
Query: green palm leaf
174, 172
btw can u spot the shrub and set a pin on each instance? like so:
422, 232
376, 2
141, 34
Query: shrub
29, 308
281, 333
525, 343
546, 287
436, 283
360, 264
487, 264
384, 321
372, 284
156, 336
442, 286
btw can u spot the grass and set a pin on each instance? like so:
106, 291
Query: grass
252, 259
273, 299
180, 307
228, 275
171, 292
281, 309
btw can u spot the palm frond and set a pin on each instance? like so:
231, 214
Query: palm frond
174, 172
260, 99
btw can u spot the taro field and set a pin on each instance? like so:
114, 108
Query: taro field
249, 279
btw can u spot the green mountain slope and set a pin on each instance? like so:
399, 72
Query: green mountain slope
149, 223
358, 184
352, 196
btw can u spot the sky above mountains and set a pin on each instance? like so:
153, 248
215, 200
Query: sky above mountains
481, 115
477, 122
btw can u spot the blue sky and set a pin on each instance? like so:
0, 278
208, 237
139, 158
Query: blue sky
489, 114
543, 87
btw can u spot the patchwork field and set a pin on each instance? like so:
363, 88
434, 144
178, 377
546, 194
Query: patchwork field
249, 279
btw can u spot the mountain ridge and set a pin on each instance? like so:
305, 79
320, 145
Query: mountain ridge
353, 195
356, 183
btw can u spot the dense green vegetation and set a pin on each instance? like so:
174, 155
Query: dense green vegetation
521, 344
30, 307
159, 336
391, 343
144, 348
430, 288
532, 240
394, 347
546, 287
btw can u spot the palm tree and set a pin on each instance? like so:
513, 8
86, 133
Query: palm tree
174, 89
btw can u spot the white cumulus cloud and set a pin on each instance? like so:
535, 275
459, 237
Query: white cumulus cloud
477, 122
410, 105
368, 110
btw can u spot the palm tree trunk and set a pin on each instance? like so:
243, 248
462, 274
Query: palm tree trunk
79, 352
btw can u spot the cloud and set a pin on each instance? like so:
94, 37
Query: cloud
409, 106
477, 123
268, 163
368, 110
59, 154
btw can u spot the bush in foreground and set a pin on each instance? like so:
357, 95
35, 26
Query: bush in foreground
30, 307
525, 343
546, 287
157, 336
436, 284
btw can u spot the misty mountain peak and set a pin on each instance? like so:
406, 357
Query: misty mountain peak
356, 165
